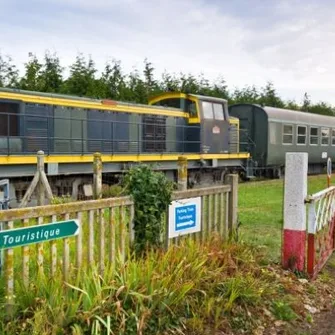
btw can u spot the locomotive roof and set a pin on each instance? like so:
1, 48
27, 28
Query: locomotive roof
206, 97
83, 99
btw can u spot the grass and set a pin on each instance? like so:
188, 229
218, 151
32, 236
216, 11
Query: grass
260, 212
187, 290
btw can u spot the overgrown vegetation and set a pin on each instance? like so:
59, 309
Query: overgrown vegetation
84, 80
190, 289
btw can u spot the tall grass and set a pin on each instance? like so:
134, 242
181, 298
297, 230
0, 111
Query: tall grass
185, 290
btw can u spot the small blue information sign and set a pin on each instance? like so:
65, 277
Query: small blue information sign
184, 217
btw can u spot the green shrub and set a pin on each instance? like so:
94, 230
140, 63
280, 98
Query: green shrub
152, 193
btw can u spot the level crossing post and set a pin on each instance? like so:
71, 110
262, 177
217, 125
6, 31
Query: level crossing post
295, 193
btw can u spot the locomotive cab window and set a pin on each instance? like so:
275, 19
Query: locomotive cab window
301, 135
218, 111
324, 136
207, 109
287, 134
191, 108
333, 137
212, 110
314, 136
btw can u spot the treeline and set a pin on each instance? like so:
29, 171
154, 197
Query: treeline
47, 75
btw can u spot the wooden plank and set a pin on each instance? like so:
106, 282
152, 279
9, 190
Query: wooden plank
91, 237
72, 207
131, 224
222, 215
123, 234
215, 213
101, 240
79, 241
25, 259
9, 263
53, 245
209, 216
200, 192
66, 254
40, 253
112, 249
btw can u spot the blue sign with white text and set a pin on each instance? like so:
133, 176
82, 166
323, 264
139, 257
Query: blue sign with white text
185, 217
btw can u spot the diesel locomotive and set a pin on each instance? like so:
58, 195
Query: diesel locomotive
71, 129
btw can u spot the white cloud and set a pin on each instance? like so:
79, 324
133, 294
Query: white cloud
290, 44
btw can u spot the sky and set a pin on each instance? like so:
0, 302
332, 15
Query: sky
247, 42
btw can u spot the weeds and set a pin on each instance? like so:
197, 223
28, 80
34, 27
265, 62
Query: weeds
187, 287
283, 311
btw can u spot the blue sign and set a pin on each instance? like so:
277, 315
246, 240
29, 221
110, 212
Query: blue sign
184, 217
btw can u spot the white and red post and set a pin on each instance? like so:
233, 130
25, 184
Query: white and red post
295, 192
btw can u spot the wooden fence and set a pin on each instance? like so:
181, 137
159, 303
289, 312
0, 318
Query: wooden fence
106, 231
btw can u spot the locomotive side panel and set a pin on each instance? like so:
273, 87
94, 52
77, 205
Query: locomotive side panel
70, 130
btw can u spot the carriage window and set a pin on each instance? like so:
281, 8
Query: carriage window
207, 110
324, 136
314, 136
218, 111
333, 136
287, 134
301, 135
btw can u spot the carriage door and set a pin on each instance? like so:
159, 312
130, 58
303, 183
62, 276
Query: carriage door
214, 127
246, 131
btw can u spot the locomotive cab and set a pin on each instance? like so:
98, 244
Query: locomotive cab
207, 120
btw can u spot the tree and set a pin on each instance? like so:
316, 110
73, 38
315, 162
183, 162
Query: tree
188, 84
113, 81
149, 80
219, 89
291, 104
269, 97
306, 102
51, 77
248, 94
9, 75
30, 80
321, 108
82, 80
169, 83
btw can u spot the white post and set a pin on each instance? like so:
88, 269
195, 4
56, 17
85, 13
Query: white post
295, 193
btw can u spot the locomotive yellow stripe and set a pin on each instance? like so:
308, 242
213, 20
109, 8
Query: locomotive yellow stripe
12, 160
90, 105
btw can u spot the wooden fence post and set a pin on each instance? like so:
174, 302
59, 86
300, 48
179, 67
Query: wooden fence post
182, 173
295, 193
97, 176
232, 180
39, 182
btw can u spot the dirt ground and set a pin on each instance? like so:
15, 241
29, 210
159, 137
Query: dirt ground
324, 321
324, 324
